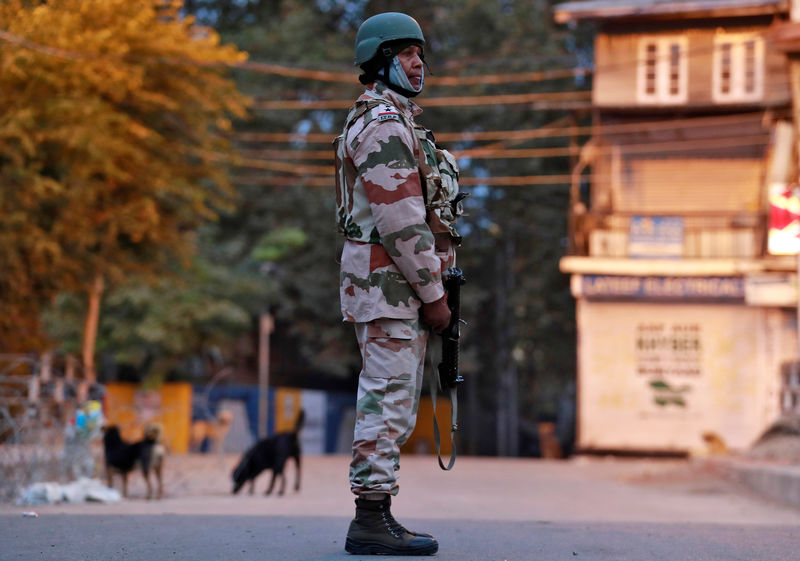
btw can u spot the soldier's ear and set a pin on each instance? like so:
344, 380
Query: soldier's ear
370, 69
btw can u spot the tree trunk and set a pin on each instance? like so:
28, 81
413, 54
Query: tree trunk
90, 328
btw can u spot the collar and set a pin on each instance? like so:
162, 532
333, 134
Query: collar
379, 90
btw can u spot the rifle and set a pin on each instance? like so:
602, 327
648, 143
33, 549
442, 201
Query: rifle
448, 368
449, 378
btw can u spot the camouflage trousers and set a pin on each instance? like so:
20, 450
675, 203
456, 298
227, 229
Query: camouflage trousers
393, 359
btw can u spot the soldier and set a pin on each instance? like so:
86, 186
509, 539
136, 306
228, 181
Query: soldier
396, 202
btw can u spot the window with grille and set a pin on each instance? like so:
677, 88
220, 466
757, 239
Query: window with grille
662, 70
738, 73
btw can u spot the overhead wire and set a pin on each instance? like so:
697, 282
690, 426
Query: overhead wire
629, 148
328, 181
504, 143
487, 79
542, 180
539, 153
563, 98
350, 78
526, 134
712, 143
618, 65
341, 77
567, 100
313, 74
569, 96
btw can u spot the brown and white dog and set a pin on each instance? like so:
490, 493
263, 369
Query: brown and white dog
153, 437
214, 430
121, 457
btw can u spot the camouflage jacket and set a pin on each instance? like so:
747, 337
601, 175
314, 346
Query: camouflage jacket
391, 261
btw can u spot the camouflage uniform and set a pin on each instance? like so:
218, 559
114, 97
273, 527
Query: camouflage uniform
396, 250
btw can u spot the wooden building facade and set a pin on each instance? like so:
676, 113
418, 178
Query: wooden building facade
686, 298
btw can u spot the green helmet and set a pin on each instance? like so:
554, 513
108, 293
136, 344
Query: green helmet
382, 28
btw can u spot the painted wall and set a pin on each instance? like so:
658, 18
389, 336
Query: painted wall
130, 407
329, 416
328, 427
656, 376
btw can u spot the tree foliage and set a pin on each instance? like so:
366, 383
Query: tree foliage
112, 127
177, 327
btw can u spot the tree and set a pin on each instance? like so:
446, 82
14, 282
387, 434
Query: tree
113, 123
177, 328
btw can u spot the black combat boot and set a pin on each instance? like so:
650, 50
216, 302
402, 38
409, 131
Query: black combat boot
375, 531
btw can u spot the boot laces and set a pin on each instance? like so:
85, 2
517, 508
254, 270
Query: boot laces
395, 528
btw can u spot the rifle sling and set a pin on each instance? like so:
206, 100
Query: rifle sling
434, 382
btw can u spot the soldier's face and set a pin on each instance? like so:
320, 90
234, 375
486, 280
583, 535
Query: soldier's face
411, 60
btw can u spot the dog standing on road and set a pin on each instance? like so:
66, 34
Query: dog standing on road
270, 453
153, 447
213, 431
121, 457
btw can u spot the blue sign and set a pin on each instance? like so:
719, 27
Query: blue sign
655, 236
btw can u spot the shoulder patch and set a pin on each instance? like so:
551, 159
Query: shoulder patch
387, 112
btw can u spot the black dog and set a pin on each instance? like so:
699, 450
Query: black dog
121, 457
270, 453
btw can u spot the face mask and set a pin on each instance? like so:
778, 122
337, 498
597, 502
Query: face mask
399, 79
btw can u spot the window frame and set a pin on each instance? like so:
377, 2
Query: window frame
657, 82
738, 71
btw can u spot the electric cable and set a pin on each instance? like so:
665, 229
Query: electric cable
526, 134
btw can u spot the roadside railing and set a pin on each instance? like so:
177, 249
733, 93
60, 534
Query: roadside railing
45, 434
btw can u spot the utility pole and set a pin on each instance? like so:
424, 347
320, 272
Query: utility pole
265, 327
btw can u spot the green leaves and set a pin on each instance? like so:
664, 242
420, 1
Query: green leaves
112, 144
279, 244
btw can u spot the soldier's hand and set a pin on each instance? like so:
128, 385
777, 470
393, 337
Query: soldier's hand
436, 314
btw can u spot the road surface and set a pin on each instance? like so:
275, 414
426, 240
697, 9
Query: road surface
485, 509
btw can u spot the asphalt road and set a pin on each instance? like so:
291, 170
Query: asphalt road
485, 509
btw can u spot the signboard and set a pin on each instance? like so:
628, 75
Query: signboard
784, 220
668, 350
662, 288
655, 236
657, 376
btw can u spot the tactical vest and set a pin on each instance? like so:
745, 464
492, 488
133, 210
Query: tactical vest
438, 172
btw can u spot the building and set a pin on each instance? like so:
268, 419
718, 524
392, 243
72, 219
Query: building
683, 225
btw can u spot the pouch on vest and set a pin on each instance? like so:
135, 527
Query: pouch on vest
439, 171
346, 174
344, 189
